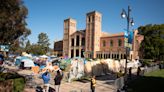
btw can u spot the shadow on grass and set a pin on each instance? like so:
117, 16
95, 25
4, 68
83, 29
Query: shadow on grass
146, 84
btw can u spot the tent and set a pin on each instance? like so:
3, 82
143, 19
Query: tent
43, 56
28, 62
18, 61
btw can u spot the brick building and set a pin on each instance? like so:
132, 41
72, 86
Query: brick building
93, 43
58, 48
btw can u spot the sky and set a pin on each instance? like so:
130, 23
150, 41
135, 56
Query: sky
48, 16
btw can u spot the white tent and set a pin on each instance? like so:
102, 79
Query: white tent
43, 56
28, 62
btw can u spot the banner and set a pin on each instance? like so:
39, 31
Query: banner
128, 39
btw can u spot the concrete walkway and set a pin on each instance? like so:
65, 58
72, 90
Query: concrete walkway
103, 84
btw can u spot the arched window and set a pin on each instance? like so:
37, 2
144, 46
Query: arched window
111, 43
104, 43
119, 42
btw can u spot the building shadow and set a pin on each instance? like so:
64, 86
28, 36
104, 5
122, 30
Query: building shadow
146, 84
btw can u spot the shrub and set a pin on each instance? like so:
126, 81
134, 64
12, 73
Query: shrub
147, 62
16, 82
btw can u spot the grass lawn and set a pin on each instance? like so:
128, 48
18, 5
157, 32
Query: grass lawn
159, 73
151, 82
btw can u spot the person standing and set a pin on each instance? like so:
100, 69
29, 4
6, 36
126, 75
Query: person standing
138, 71
1, 59
57, 80
93, 83
46, 79
130, 73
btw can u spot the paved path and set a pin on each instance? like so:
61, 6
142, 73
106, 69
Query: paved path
103, 83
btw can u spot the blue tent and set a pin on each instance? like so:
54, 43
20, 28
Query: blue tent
42, 66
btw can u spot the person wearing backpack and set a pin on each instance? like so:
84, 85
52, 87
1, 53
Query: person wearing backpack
57, 80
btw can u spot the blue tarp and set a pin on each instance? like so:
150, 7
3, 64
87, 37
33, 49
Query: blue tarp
42, 66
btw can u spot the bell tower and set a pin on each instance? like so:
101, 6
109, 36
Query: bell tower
69, 29
93, 33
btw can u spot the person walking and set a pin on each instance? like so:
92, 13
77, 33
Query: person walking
46, 79
93, 83
57, 80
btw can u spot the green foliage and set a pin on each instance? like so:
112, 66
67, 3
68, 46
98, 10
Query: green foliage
43, 40
18, 81
36, 49
158, 73
28, 46
152, 46
12, 21
19, 85
147, 62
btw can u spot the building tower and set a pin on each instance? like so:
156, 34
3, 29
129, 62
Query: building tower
69, 29
93, 33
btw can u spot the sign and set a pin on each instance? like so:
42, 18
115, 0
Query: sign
4, 48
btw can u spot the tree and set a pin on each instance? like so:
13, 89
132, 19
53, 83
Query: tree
28, 46
12, 21
36, 50
153, 44
43, 41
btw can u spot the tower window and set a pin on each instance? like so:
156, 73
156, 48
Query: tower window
89, 19
119, 42
111, 43
104, 43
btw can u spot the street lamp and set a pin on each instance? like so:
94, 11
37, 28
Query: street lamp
130, 22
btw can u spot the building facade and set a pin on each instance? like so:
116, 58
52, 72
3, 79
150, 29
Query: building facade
58, 48
93, 43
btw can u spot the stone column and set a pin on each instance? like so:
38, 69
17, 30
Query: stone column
74, 47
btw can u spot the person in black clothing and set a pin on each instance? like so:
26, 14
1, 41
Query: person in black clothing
57, 80
130, 72
1, 59
138, 71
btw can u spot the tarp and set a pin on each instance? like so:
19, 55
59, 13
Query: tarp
35, 69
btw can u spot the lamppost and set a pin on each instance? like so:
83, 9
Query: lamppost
130, 22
